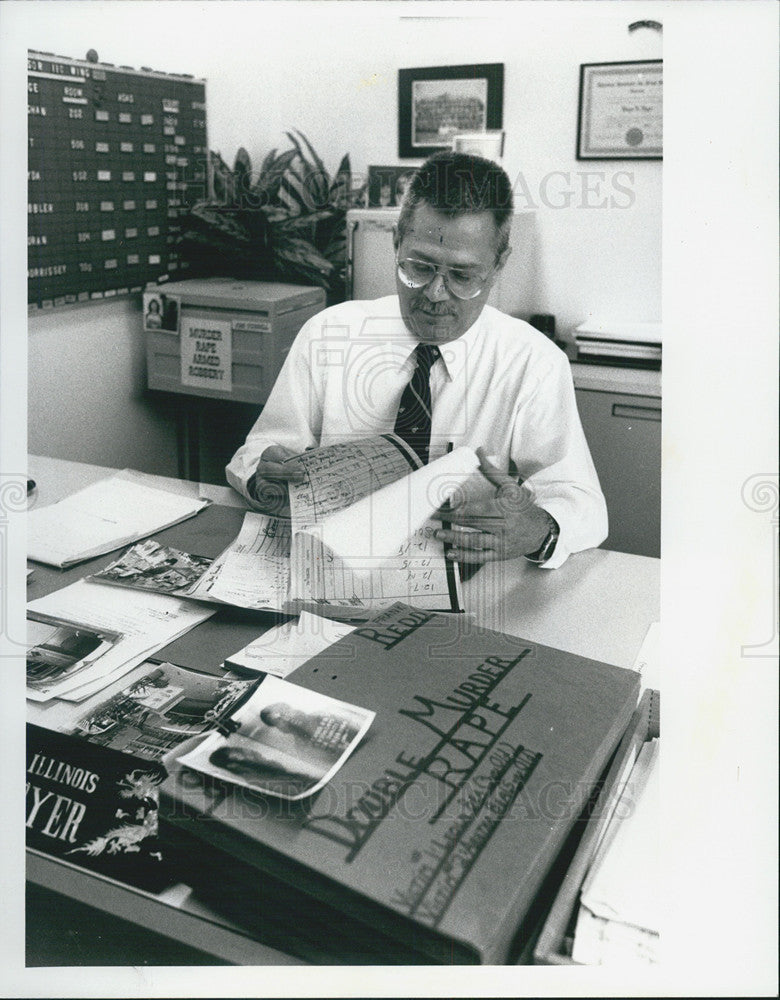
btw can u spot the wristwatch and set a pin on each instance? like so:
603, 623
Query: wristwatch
546, 549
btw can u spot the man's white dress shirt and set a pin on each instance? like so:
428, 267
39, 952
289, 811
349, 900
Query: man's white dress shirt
502, 385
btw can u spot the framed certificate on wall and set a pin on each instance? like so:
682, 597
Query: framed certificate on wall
621, 111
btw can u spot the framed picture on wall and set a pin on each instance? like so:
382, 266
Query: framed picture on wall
436, 102
387, 185
621, 111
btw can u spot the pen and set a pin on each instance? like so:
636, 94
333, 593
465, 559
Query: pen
294, 458
451, 564
447, 525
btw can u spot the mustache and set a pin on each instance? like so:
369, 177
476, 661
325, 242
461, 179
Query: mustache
435, 308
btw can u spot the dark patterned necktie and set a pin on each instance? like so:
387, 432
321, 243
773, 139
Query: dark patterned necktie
413, 422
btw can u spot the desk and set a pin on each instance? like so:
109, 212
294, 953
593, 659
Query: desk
599, 604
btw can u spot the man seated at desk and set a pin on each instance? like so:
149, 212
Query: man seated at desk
437, 365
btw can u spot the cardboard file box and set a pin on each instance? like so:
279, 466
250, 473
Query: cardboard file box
223, 338
553, 946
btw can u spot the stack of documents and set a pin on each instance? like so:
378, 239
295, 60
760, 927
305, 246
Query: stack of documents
102, 517
618, 920
97, 635
288, 646
359, 537
619, 343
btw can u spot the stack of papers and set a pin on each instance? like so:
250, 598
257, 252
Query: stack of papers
618, 921
254, 570
288, 646
358, 539
103, 517
100, 634
619, 342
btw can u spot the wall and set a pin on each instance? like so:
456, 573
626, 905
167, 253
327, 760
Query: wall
87, 402
331, 70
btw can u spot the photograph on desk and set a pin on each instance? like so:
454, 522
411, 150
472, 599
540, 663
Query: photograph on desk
162, 709
58, 650
285, 741
155, 567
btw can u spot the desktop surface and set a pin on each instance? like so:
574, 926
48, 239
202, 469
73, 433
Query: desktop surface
598, 605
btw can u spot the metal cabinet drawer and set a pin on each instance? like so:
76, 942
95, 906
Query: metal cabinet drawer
624, 435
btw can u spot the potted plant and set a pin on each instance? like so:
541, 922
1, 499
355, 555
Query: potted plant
285, 223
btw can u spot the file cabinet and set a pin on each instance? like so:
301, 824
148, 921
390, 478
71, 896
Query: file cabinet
620, 411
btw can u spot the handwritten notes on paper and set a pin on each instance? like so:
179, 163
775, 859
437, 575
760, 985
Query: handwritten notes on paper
377, 529
369, 541
254, 571
358, 539
342, 474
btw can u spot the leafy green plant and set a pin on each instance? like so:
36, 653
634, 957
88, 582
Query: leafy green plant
285, 223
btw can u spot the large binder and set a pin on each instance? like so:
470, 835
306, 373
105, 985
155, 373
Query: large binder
434, 838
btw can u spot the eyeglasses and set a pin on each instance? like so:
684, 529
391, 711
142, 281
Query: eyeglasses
462, 282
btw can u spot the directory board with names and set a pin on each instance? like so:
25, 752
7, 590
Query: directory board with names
116, 156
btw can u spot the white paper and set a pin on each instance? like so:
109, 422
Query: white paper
285, 647
104, 516
262, 569
289, 743
649, 333
375, 529
207, 353
390, 558
416, 574
607, 942
381, 548
621, 887
648, 659
254, 571
147, 623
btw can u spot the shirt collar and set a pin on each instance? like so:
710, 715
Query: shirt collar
402, 343
455, 352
